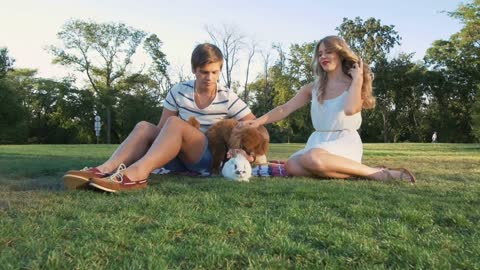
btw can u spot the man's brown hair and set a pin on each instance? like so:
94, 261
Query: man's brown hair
206, 53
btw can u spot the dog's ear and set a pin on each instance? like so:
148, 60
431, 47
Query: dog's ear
265, 139
234, 139
253, 141
194, 122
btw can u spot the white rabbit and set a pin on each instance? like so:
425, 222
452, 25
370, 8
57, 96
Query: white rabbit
237, 169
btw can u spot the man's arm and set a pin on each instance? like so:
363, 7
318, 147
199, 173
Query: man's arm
165, 115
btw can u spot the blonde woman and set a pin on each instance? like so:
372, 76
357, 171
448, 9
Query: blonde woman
342, 88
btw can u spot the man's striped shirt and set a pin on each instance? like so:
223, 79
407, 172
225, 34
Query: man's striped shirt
226, 104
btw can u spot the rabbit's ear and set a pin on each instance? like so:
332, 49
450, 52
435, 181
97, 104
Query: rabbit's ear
228, 170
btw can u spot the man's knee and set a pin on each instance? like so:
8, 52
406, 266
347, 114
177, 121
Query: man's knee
146, 128
173, 121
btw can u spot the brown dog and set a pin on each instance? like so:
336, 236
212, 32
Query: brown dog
220, 138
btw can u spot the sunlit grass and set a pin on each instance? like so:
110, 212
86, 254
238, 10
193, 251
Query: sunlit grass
182, 222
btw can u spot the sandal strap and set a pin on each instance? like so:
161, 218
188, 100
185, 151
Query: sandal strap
388, 174
405, 175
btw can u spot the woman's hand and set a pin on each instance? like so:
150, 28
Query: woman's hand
233, 152
357, 71
247, 124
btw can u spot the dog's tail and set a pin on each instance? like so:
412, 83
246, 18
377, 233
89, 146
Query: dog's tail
194, 122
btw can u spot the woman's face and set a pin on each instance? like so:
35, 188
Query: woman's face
328, 60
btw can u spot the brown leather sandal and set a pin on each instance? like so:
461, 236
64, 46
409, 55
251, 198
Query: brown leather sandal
404, 173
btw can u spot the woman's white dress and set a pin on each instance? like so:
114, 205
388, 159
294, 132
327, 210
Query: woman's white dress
335, 132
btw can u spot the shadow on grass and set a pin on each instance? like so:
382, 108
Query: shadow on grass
44, 183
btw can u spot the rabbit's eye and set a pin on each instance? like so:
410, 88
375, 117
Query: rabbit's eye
235, 166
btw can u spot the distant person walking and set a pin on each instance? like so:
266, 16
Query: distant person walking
434, 137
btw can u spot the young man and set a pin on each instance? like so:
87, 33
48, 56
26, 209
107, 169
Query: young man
173, 142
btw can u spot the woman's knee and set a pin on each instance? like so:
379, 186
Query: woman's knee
314, 160
292, 166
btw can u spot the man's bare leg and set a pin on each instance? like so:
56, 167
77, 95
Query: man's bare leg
133, 147
177, 138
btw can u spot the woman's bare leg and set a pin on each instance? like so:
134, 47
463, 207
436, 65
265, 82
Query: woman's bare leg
318, 162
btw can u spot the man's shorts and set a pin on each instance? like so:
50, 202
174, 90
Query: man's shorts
202, 167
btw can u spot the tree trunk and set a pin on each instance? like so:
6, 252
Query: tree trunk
384, 114
109, 125
245, 90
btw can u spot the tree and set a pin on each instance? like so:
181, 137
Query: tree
476, 117
251, 53
158, 70
13, 115
6, 62
408, 82
230, 41
139, 100
103, 51
458, 60
370, 39
266, 55
469, 40
279, 85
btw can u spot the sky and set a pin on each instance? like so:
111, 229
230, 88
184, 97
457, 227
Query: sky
28, 26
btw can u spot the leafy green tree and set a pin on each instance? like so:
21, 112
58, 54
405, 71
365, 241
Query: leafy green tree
159, 69
139, 100
103, 52
296, 73
73, 114
370, 38
458, 59
469, 40
13, 115
6, 62
60, 113
476, 116
372, 41
291, 71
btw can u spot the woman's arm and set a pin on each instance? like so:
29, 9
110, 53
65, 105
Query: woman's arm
354, 101
303, 96
249, 116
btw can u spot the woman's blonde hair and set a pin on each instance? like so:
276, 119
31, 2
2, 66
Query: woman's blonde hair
348, 58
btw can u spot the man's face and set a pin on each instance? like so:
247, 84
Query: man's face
207, 76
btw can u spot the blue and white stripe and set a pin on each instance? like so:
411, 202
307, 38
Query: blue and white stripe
226, 104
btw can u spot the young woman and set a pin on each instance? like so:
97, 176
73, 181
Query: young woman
342, 88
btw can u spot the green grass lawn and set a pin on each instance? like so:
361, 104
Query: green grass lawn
273, 223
